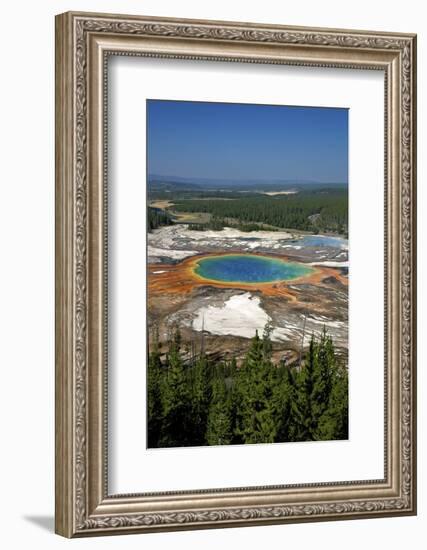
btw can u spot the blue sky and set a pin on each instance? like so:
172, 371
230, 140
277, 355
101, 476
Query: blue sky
238, 141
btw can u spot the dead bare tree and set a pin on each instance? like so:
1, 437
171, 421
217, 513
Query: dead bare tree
302, 341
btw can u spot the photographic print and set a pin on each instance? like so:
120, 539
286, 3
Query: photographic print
247, 273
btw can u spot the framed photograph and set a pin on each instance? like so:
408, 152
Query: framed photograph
235, 274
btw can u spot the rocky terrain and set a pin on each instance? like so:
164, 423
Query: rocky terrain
221, 317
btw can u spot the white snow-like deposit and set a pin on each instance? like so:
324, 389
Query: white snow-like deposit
170, 233
320, 320
154, 252
240, 315
280, 334
273, 193
176, 242
331, 263
231, 233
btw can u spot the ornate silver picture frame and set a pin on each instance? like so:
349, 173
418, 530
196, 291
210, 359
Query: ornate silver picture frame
84, 42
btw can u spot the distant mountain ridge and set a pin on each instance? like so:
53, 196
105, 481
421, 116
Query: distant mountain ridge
162, 185
177, 182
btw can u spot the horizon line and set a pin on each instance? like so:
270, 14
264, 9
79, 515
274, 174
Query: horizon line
255, 180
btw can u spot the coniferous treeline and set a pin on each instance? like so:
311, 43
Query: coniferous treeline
178, 194
203, 402
156, 218
329, 208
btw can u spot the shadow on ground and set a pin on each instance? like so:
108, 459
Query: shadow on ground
44, 522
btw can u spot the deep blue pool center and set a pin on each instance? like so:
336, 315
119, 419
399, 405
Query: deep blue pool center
249, 269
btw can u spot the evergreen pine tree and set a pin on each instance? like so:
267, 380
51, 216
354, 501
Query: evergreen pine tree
217, 403
334, 422
154, 398
283, 397
219, 422
199, 401
256, 381
322, 382
319, 390
176, 401
301, 410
